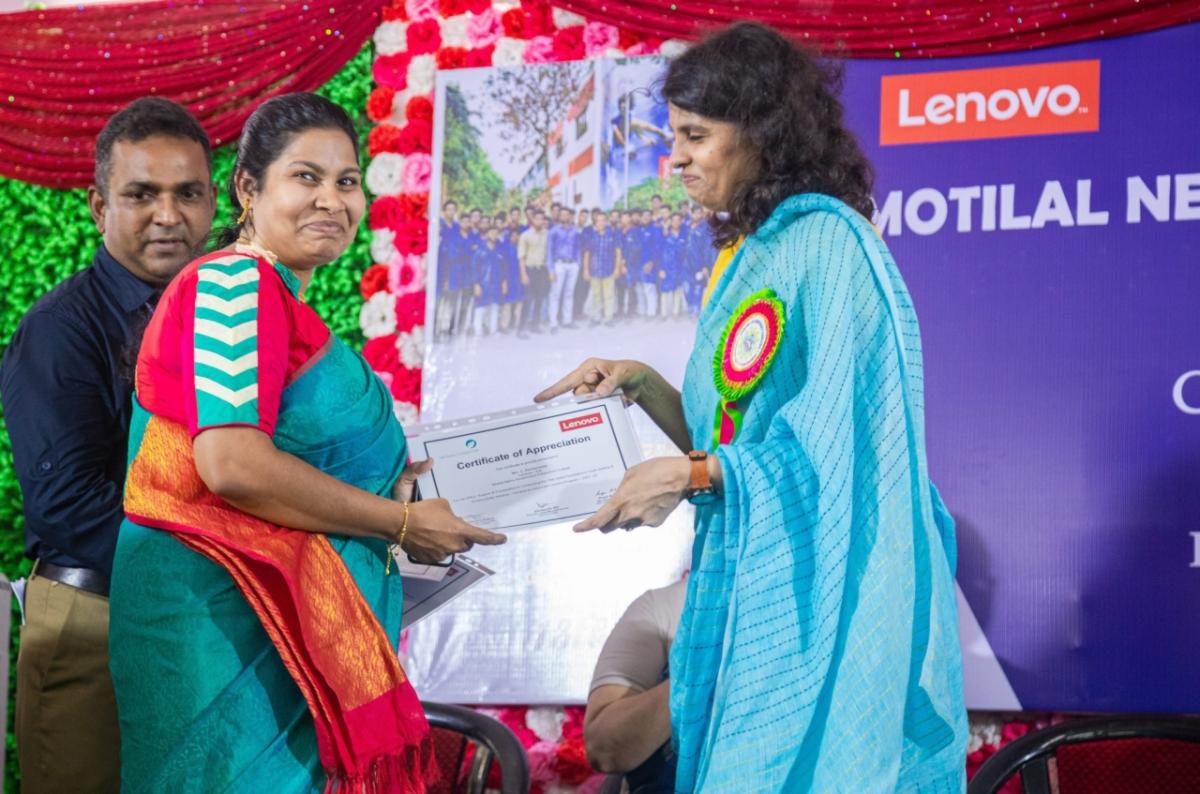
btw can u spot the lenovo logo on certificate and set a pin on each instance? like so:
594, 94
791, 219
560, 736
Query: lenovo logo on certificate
580, 422
1004, 102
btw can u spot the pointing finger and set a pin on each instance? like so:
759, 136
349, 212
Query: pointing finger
563, 385
599, 519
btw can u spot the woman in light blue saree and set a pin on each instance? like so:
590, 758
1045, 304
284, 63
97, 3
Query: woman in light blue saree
818, 648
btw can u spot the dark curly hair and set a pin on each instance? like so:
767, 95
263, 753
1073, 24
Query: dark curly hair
784, 100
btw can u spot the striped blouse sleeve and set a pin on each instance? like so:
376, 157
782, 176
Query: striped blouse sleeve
238, 344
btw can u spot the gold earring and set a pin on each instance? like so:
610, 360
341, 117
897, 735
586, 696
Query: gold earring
245, 213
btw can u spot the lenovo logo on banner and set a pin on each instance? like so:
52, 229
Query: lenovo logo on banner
1042, 99
580, 422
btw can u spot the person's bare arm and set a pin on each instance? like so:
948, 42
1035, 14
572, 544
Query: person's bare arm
623, 727
245, 468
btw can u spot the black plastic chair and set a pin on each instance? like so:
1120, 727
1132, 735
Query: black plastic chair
1031, 754
494, 743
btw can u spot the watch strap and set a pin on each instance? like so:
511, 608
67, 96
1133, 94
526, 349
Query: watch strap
699, 480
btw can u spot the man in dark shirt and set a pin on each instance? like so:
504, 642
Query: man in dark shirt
66, 382
459, 252
585, 223
631, 257
652, 243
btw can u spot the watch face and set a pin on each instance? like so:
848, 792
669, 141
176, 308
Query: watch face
703, 496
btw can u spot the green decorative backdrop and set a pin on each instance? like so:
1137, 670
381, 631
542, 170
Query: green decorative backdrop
46, 235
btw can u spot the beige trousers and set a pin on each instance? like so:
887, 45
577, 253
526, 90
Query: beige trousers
66, 713
604, 298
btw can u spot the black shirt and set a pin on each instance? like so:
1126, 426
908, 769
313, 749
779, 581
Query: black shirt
66, 383
655, 775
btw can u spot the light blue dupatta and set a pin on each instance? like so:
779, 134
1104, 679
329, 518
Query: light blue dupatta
818, 649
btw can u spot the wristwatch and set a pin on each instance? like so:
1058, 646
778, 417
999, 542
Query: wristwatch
700, 490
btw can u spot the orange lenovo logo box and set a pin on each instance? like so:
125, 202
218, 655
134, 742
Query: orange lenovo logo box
580, 422
1042, 99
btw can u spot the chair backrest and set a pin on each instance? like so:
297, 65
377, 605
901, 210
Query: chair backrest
494, 742
1159, 754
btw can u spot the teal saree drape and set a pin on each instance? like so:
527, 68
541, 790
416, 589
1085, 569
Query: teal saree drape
205, 702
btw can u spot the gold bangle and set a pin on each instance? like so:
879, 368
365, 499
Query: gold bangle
394, 548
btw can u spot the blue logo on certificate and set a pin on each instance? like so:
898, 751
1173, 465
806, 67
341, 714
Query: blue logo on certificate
472, 443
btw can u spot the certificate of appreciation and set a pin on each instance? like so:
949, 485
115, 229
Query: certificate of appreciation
528, 467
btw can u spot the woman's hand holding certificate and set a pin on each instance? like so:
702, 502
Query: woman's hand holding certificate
650, 491
433, 531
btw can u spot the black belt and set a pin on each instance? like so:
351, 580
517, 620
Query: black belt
82, 578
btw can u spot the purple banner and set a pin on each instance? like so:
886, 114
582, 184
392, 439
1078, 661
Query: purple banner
1047, 220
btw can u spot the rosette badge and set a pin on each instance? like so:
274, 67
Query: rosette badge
747, 347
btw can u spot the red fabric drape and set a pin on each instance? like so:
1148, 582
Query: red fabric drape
64, 71
905, 28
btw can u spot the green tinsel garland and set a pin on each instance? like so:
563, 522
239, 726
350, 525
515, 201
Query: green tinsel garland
46, 235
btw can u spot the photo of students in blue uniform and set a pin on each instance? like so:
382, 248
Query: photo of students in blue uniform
601, 249
631, 258
606, 267
652, 240
672, 269
489, 267
512, 292
455, 251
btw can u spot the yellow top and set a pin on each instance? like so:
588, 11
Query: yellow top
724, 257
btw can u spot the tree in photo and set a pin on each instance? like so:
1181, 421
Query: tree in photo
468, 177
671, 191
536, 100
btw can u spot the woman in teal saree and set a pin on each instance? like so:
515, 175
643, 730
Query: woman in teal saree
254, 615
818, 647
